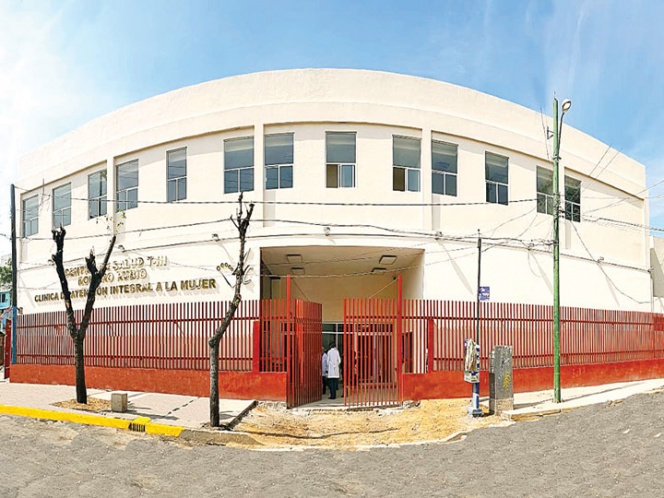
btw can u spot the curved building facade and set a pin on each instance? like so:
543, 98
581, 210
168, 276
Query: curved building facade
357, 176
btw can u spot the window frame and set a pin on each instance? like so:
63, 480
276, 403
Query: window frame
408, 170
61, 216
34, 220
121, 196
239, 170
445, 175
573, 208
101, 199
494, 183
280, 167
336, 169
180, 182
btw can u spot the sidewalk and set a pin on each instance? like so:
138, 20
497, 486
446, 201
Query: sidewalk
165, 414
176, 415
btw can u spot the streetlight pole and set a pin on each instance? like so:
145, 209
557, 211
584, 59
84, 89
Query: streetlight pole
557, 129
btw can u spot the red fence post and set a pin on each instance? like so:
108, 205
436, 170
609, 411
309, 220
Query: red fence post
399, 338
256, 356
430, 348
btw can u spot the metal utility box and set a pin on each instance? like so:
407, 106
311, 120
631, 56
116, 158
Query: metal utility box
119, 402
501, 387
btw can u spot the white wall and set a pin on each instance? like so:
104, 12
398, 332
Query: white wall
376, 106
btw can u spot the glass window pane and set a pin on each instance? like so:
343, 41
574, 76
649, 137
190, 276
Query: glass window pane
238, 153
443, 157
182, 189
230, 182
398, 179
247, 179
496, 168
491, 192
544, 181
62, 197
413, 180
271, 178
437, 184
340, 147
177, 163
102, 206
93, 208
332, 176
347, 175
279, 149
127, 175
572, 190
172, 190
286, 180
132, 198
502, 194
406, 152
451, 185
541, 203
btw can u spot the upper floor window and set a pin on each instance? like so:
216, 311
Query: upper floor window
496, 174
127, 185
279, 161
176, 166
62, 206
238, 165
406, 164
340, 159
572, 199
30, 216
97, 194
545, 200
443, 168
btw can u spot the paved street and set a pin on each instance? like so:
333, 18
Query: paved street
612, 449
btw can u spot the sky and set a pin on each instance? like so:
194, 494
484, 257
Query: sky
64, 63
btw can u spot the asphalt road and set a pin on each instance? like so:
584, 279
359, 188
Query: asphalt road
601, 450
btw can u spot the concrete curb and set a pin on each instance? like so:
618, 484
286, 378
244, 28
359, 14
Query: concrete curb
139, 424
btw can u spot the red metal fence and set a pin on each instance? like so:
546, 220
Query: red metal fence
175, 337
429, 336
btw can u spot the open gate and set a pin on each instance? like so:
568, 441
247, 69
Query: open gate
373, 352
304, 344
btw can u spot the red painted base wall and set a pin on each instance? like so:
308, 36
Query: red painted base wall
234, 385
440, 385
272, 386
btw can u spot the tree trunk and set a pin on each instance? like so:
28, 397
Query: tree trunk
81, 390
214, 384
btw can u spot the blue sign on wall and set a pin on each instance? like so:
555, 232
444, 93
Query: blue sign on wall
484, 293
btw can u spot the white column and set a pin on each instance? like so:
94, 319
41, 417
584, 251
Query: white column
259, 171
425, 181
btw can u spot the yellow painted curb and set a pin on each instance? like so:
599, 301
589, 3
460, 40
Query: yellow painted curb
77, 418
163, 429
139, 424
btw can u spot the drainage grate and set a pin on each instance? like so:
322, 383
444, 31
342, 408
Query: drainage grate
137, 427
138, 424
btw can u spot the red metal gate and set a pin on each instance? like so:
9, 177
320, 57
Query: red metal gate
373, 352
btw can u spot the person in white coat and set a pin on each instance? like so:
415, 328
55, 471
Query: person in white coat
324, 370
333, 362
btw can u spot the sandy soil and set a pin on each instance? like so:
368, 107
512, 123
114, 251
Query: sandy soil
95, 405
427, 421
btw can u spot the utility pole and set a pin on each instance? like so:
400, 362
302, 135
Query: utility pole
14, 272
557, 129
475, 409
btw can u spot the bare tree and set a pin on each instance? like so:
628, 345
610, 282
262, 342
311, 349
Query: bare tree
77, 332
241, 222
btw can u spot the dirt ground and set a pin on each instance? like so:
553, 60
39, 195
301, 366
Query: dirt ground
274, 426
95, 405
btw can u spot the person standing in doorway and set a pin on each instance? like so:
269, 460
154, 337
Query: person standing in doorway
324, 370
333, 362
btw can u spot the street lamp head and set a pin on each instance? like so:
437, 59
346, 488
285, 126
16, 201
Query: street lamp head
567, 103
